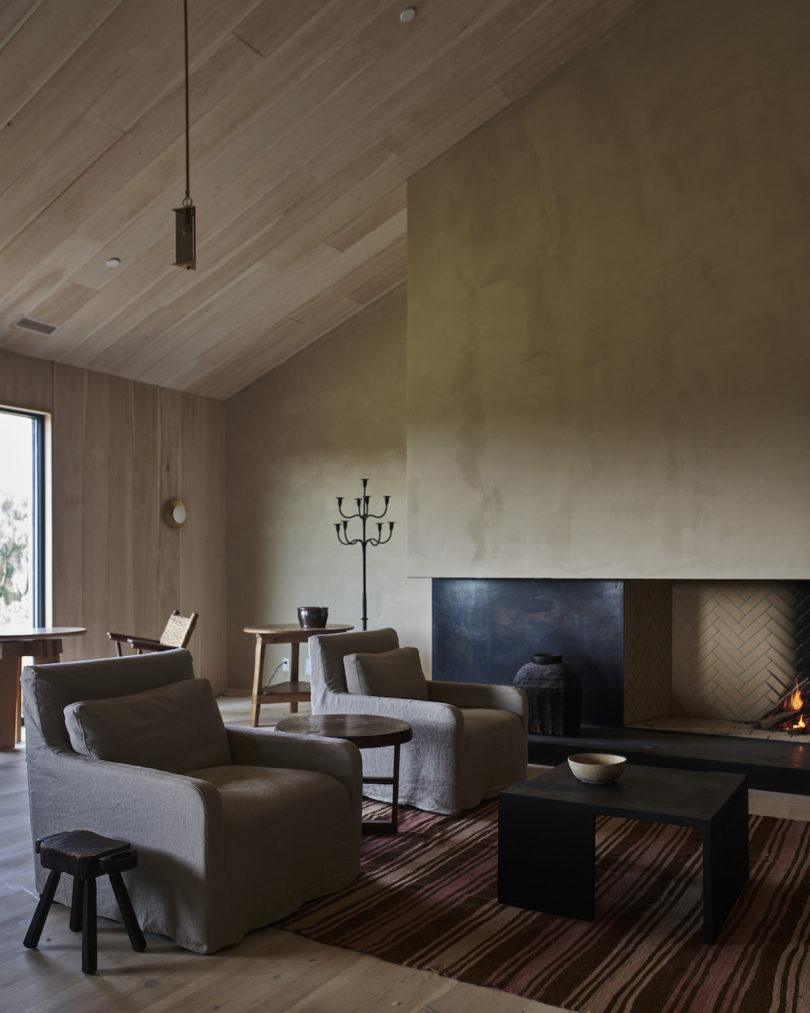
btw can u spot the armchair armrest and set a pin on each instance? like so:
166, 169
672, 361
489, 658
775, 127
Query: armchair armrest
146, 643
480, 694
118, 636
172, 816
415, 712
265, 747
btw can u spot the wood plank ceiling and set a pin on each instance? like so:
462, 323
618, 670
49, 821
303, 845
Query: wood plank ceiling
307, 118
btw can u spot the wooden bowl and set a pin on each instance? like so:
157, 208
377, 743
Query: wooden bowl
597, 768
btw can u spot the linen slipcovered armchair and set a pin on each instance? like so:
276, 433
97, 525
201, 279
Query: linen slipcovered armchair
470, 740
234, 827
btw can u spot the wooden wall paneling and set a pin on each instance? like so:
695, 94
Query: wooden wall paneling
170, 486
95, 434
149, 610
202, 541
67, 518
25, 383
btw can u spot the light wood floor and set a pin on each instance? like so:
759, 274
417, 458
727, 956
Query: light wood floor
269, 970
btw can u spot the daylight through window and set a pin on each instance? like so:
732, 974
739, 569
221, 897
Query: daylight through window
22, 573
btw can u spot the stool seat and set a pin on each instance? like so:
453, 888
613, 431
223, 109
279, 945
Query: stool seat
85, 856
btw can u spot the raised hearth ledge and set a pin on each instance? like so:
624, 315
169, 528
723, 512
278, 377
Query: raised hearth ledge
718, 726
769, 766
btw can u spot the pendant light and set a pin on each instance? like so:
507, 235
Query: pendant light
185, 239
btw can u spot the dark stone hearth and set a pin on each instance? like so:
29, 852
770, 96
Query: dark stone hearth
769, 765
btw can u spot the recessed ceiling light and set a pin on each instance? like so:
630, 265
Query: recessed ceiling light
114, 262
407, 14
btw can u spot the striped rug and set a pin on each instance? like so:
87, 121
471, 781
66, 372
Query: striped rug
426, 898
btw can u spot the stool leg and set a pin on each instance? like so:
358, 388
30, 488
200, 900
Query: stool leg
127, 913
89, 937
76, 906
41, 913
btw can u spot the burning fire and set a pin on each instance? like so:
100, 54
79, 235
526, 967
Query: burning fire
797, 705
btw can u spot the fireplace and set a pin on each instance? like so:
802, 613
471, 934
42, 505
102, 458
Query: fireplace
695, 665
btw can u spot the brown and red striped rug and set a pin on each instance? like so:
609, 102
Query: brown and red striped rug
426, 898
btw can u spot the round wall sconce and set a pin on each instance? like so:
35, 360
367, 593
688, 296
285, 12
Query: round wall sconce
175, 513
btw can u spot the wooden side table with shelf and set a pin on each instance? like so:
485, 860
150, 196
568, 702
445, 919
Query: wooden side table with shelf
294, 691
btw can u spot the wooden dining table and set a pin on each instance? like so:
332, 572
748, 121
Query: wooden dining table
44, 645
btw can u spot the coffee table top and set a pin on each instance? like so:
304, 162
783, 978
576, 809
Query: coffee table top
361, 729
688, 797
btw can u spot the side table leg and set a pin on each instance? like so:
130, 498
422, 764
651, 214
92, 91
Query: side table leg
9, 700
258, 667
395, 789
293, 676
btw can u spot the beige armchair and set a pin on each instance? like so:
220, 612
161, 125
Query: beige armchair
470, 740
234, 827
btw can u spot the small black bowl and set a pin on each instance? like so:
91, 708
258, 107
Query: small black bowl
312, 617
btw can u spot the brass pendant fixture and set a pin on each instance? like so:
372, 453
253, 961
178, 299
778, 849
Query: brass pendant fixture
185, 236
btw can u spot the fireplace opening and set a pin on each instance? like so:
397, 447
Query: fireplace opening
719, 658
737, 658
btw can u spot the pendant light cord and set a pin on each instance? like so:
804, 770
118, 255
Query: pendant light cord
187, 202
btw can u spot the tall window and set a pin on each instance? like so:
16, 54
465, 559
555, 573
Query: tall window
22, 518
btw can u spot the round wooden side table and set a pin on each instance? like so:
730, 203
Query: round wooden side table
366, 731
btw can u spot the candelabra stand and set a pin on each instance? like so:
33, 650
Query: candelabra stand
363, 514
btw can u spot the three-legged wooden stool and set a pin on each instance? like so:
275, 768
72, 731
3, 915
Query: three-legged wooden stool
86, 856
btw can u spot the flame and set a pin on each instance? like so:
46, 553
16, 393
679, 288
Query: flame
796, 699
800, 723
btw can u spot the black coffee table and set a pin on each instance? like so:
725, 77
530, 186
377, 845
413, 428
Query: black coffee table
546, 835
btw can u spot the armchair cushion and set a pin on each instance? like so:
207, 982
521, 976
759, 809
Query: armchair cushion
396, 673
176, 727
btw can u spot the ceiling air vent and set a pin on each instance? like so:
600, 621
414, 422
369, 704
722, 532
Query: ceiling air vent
35, 325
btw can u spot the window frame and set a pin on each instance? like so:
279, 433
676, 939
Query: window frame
38, 553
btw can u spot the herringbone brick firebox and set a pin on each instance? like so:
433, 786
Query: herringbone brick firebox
736, 648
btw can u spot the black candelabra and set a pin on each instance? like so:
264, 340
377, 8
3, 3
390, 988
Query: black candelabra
363, 514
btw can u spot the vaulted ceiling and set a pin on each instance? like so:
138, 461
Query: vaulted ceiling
307, 118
